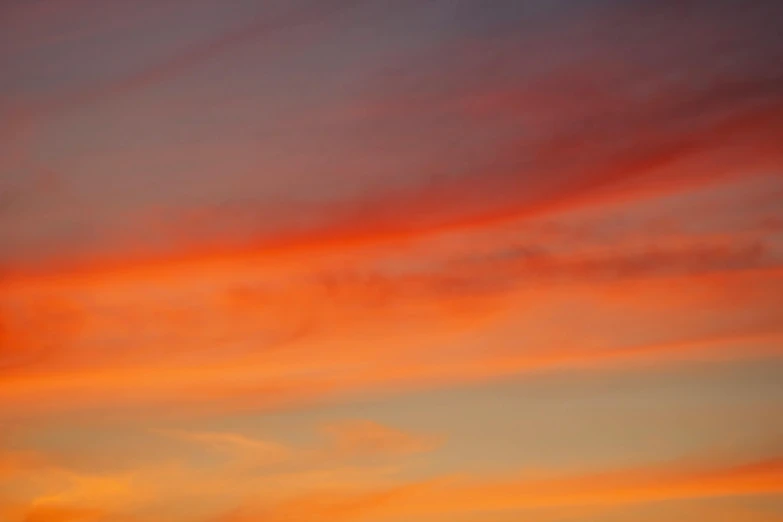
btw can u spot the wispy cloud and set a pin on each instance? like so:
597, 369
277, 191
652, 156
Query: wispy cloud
238, 243
344, 494
452, 495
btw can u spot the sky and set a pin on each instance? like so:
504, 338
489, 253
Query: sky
391, 261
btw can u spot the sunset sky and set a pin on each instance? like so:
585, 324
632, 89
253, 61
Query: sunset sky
391, 261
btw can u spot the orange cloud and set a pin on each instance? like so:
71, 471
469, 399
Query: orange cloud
280, 335
736, 145
280, 471
454, 495
321, 485
346, 441
424, 266
326, 507
248, 451
364, 437
244, 383
63, 514
13, 463
631, 486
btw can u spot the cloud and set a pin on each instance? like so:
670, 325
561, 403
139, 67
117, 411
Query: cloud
39, 487
273, 331
253, 384
178, 485
578, 157
325, 486
240, 448
270, 330
367, 438
342, 442
261, 27
689, 109
332, 506
465, 195
456, 495
63, 514
13, 463
627, 486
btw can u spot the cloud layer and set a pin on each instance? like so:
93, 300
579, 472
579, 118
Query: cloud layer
432, 260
